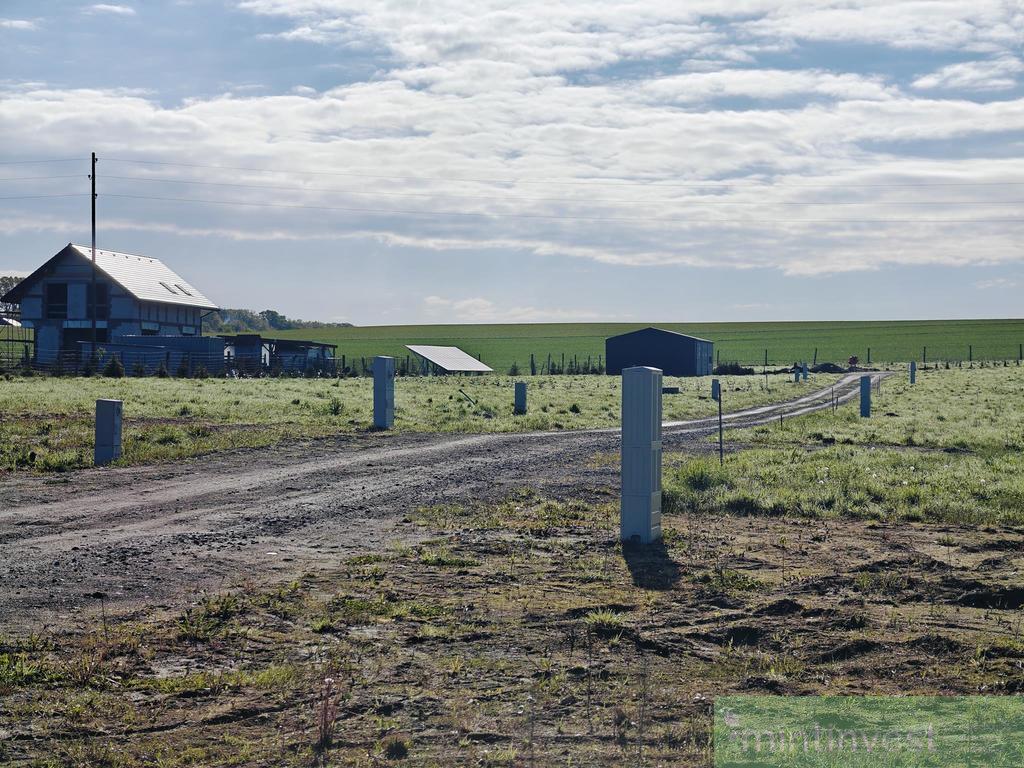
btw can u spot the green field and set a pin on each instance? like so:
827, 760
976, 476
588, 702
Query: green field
502, 345
47, 422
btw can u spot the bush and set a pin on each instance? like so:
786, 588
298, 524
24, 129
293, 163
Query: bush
161, 370
114, 369
138, 369
514, 370
732, 369
183, 369
200, 372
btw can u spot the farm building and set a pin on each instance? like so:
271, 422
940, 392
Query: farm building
138, 301
250, 353
674, 353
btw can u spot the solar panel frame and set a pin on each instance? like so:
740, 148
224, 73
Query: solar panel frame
451, 359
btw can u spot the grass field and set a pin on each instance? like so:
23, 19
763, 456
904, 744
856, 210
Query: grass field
830, 556
502, 345
48, 421
949, 449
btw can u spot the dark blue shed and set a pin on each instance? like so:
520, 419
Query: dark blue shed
676, 354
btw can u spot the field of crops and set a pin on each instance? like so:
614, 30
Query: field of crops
502, 345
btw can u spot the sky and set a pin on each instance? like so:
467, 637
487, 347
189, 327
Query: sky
389, 161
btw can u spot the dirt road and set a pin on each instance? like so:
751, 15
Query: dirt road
152, 536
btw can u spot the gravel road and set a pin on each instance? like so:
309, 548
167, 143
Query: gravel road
153, 536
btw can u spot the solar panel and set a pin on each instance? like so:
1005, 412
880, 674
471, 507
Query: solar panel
451, 359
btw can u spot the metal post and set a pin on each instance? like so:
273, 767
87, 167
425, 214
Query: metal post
721, 434
640, 509
92, 177
865, 397
924, 356
383, 392
520, 401
913, 372
107, 446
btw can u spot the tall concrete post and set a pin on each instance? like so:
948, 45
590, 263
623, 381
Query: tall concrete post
913, 372
805, 371
640, 510
383, 392
108, 432
865, 397
520, 402
796, 375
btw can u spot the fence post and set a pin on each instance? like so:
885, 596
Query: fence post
640, 508
913, 372
107, 447
383, 392
520, 399
865, 397
805, 371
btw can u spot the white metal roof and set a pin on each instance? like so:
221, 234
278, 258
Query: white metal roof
450, 359
146, 278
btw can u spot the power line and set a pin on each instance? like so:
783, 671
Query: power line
32, 162
42, 178
557, 217
555, 199
37, 197
599, 182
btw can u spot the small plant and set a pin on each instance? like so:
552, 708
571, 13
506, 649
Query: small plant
327, 714
114, 369
161, 370
336, 407
395, 747
200, 372
183, 369
575, 408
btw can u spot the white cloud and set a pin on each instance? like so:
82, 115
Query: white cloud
481, 310
997, 282
22, 24
991, 75
116, 10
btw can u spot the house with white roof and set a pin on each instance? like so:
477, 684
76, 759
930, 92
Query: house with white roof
138, 301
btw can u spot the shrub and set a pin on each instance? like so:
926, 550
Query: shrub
183, 369
161, 370
732, 369
138, 369
114, 369
200, 372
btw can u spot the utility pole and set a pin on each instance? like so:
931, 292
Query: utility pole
92, 176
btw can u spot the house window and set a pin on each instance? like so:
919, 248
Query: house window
102, 301
57, 301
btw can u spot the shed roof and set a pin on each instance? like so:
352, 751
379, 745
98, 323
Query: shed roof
660, 330
145, 278
451, 359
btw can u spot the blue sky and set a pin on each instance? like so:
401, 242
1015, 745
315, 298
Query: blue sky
388, 162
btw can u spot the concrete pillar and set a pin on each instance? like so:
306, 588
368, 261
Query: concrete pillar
640, 511
865, 397
796, 375
108, 432
716, 390
383, 392
805, 371
520, 402
913, 372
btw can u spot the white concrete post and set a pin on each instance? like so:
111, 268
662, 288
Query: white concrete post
108, 432
913, 372
383, 392
865, 397
520, 403
716, 390
796, 375
805, 371
640, 510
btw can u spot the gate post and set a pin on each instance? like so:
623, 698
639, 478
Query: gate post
640, 507
383, 392
107, 447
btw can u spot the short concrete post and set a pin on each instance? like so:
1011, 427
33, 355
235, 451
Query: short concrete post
383, 392
805, 371
796, 375
640, 510
716, 390
520, 403
865, 397
913, 372
108, 432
